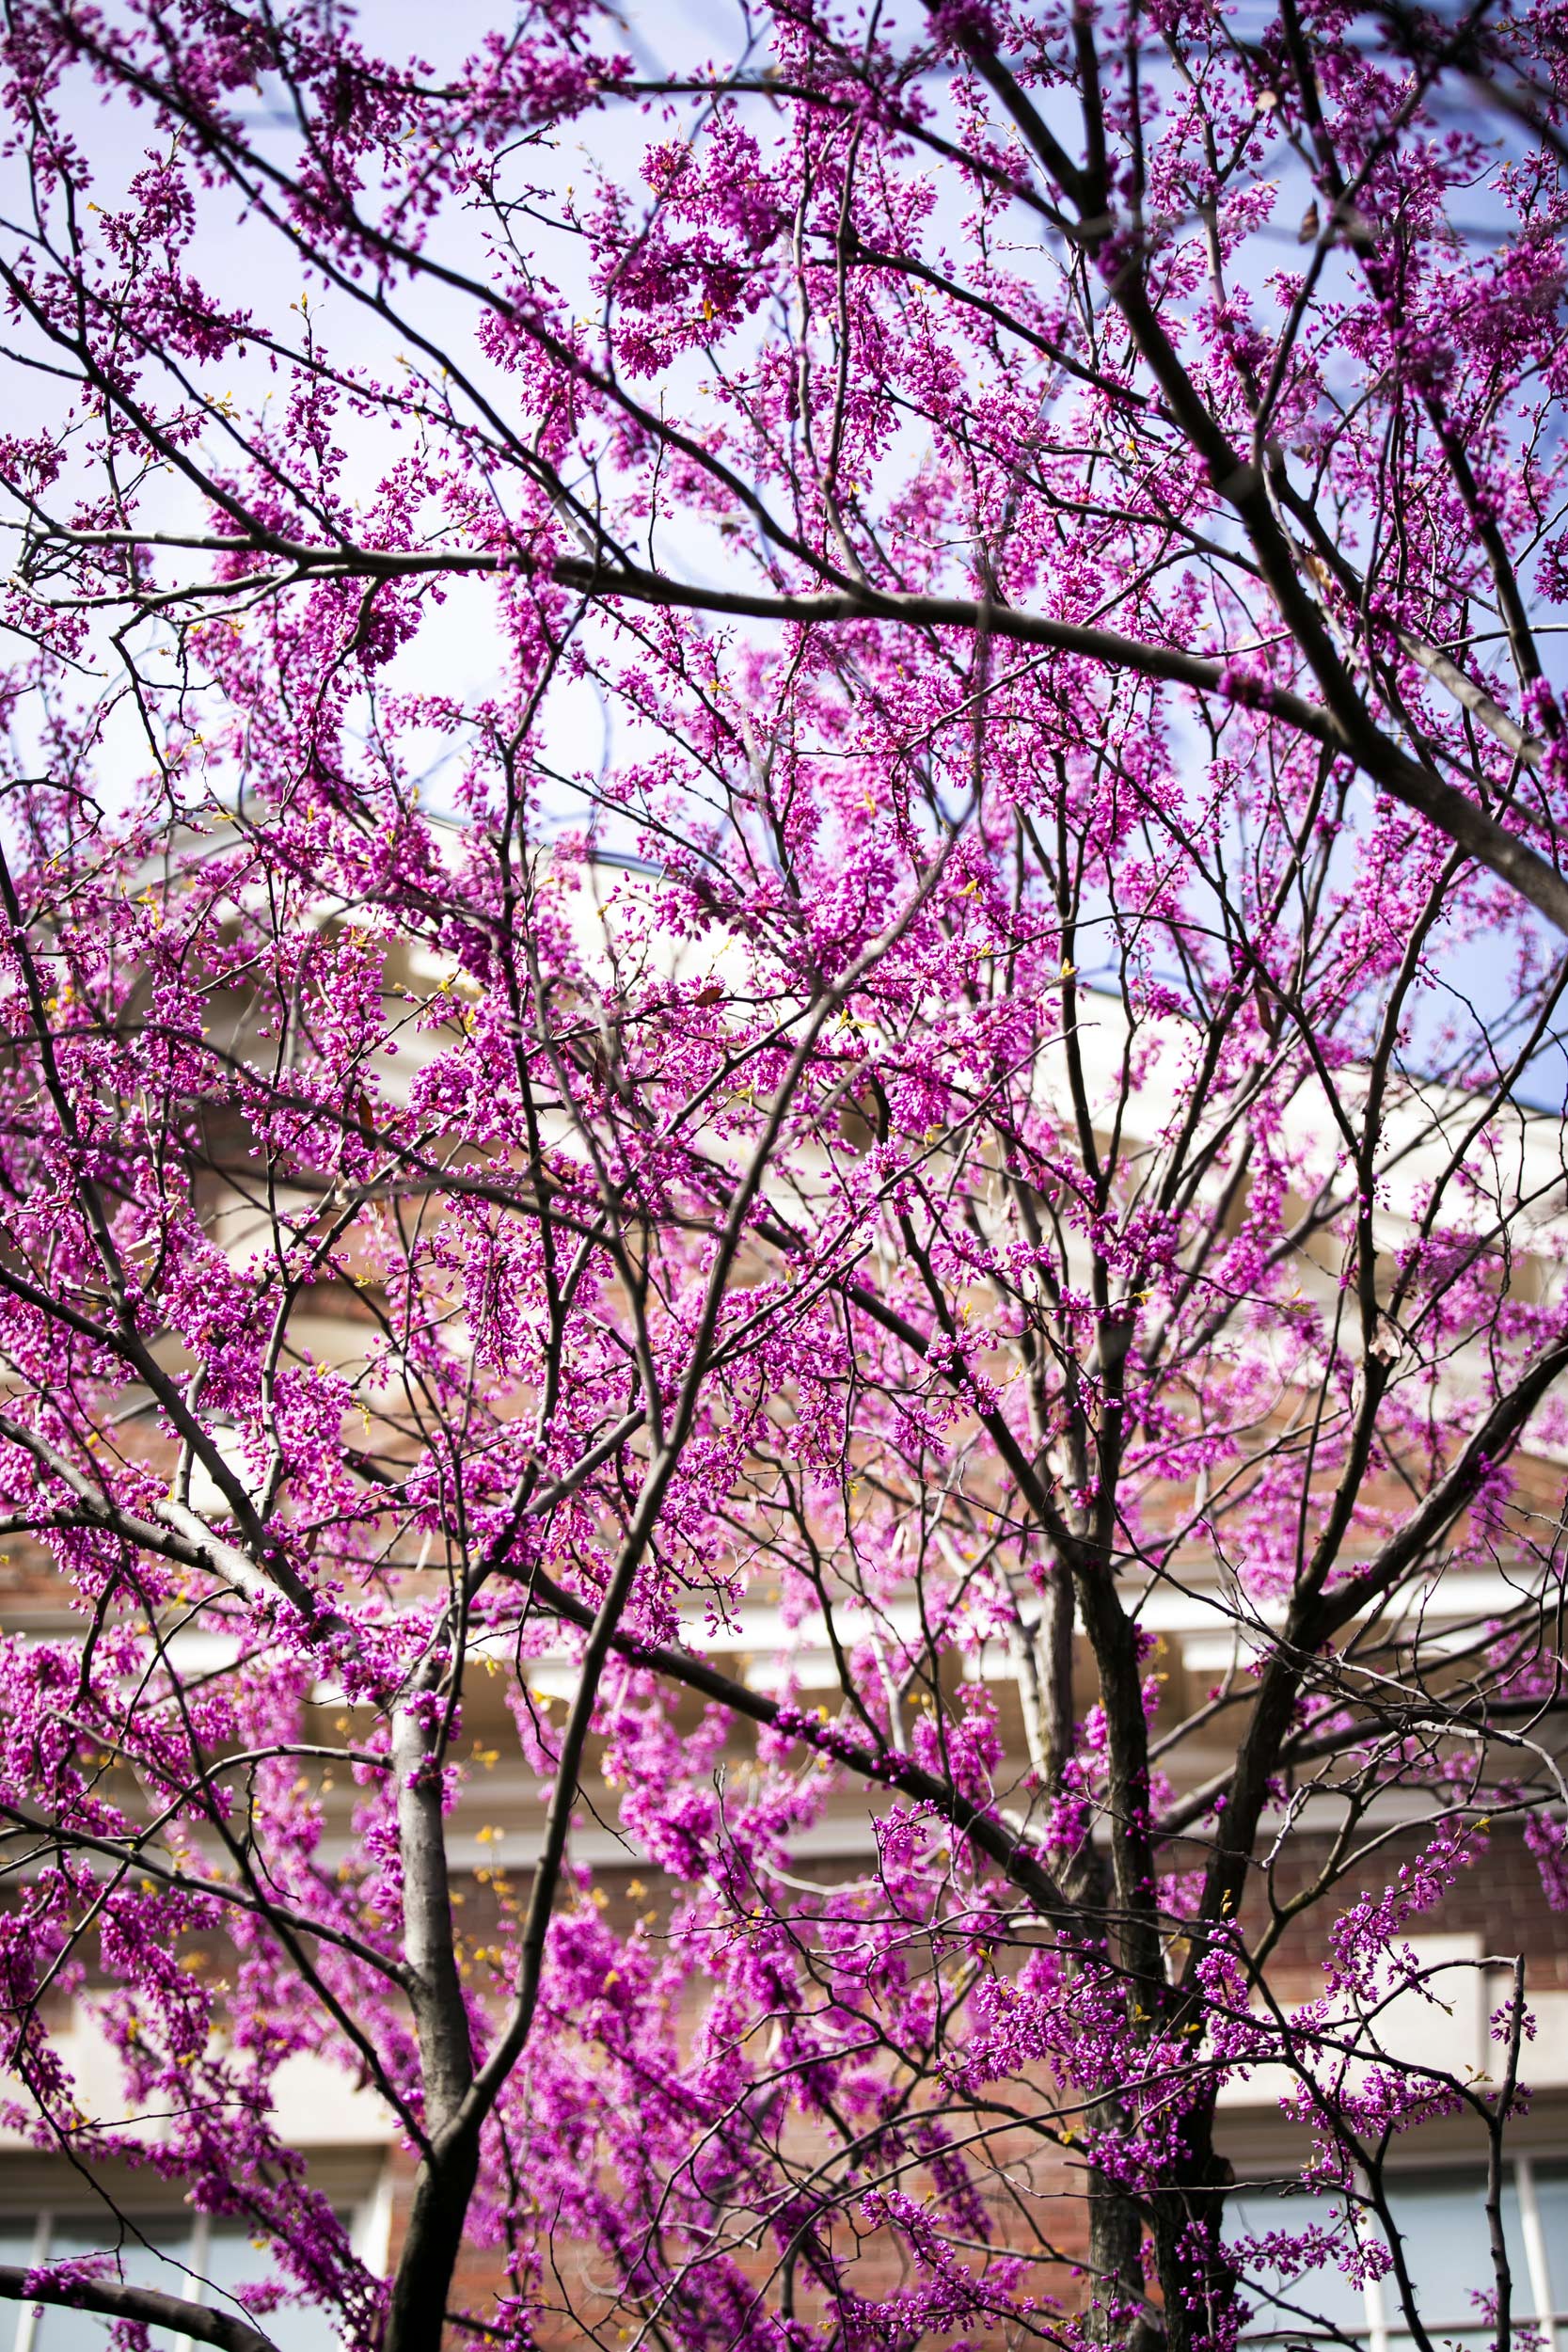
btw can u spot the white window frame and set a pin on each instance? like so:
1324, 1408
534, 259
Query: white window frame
29, 2315
369, 2231
1385, 2330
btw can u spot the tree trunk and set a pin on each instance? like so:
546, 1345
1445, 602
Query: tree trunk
1123, 2317
1197, 2281
422, 2287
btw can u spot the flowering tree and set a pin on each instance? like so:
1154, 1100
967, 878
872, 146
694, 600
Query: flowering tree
1000, 1094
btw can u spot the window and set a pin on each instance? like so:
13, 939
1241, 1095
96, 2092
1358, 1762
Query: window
1441, 2219
194, 2255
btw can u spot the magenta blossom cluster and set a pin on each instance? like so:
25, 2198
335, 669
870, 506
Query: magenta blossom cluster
781, 982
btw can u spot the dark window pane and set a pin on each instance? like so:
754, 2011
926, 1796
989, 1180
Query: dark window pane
235, 2261
18, 2237
1314, 2303
154, 2263
1441, 2218
1551, 2196
1466, 2339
